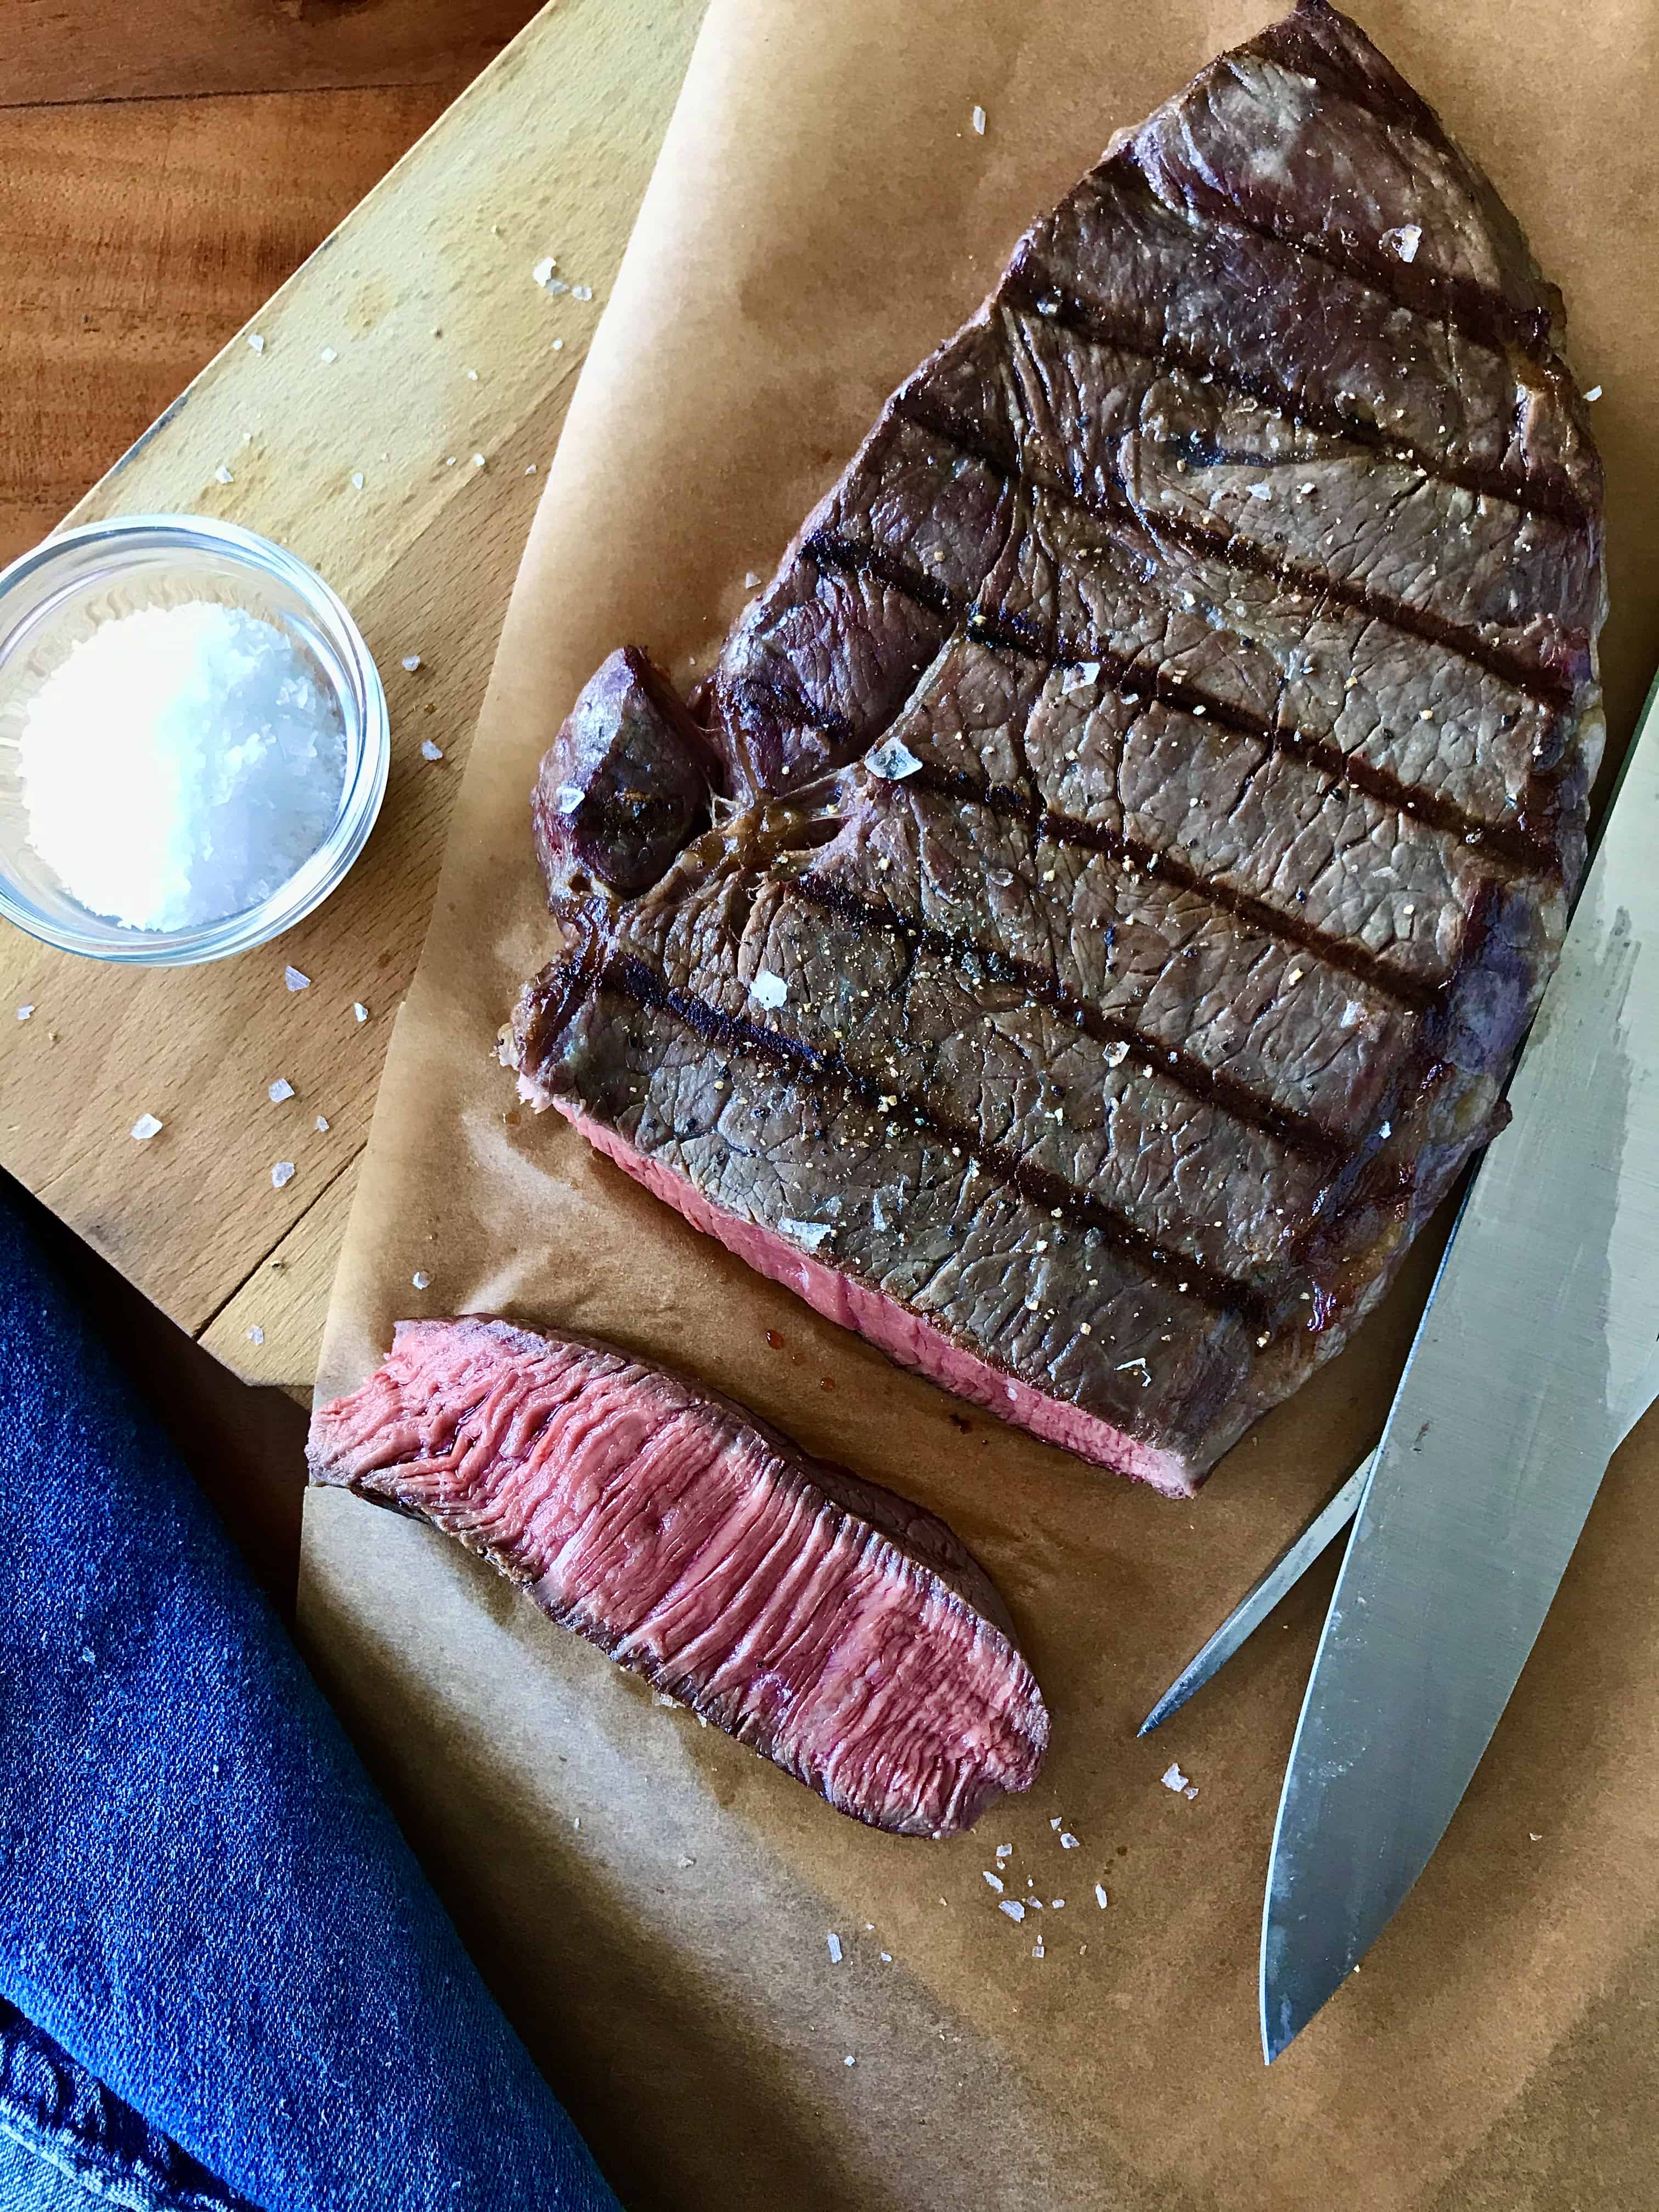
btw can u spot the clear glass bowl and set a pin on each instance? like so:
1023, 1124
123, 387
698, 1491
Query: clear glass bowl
58, 594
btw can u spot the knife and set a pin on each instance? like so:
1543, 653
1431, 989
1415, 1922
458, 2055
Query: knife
1530, 1362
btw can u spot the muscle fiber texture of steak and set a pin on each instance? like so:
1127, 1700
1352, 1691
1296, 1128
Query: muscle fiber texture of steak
1118, 854
845, 1633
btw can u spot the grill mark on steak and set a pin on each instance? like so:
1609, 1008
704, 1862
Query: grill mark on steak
631, 978
1299, 1132
1521, 848
1342, 952
1238, 552
1462, 304
1036, 289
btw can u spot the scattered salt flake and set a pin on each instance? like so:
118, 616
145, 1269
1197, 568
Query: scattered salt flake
979, 122
892, 760
1054, 1823
813, 1235
281, 1173
1056, 1905
295, 979
769, 990
411, 661
478, 460
430, 751
558, 345
1172, 1778
1079, 677
1128, 1366
357, 479
329, 353
223, 474
1260, 490
421, 1279
834, 1941
684, 1859
1535, 1836
360, 1010
1595, 391
581, 291
886, 1957
1404, 240
1012, 1907
472, 376
24, 1012
145, 1128
1191, 1790
751, 578
849, 2060
1101, 1898
322, 1124
255, 342
1067, 1840
256, 1335
995, 1880
569, 796
279, 1090
1115, 1055
543, 272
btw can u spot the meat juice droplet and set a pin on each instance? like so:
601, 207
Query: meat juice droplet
775, 1339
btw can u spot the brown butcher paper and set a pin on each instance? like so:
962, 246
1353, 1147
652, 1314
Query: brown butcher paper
651, 1903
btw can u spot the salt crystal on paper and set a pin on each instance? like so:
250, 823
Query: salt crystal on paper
750, 580
1036, 1949
995, 1880
145, 1128
1067, 1840
1004, 1852
542, 274
329, 353
322, 1124
24, 1013
886, 1957
357, 479
1101, 1898
1595, 391
256, 342
849, 2060
767, 990
430, 751
1012, 1907
421, 1279
1190, 1791
360, 1010
1054, 1823
1172, 1778
411, 661
279, 1090
979, 122
581, 291
256, 1335
834, 1941
295, 979
223, 474
472, 376
478, 460
558, 345
281, 1173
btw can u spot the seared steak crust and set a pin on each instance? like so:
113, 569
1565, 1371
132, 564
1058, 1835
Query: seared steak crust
1150, 789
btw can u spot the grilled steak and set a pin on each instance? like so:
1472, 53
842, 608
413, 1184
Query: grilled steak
848, 1635
1150, 790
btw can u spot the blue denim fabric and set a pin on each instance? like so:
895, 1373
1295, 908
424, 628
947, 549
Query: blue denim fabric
202, 1901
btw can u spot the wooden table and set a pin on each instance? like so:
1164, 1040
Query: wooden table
449, 374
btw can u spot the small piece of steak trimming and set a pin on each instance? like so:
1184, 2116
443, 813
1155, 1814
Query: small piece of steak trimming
1215, 615
845, 1633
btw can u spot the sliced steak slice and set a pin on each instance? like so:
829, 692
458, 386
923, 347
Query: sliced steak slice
1149, 794
848, 1635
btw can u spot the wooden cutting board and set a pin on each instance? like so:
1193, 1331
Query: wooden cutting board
413, 350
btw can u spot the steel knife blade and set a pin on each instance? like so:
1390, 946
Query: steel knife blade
1535, 1353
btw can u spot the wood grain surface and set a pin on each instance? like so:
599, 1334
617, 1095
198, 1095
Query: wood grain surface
80, 50
444, 350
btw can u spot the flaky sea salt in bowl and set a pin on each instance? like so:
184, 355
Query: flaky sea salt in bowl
193, 740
